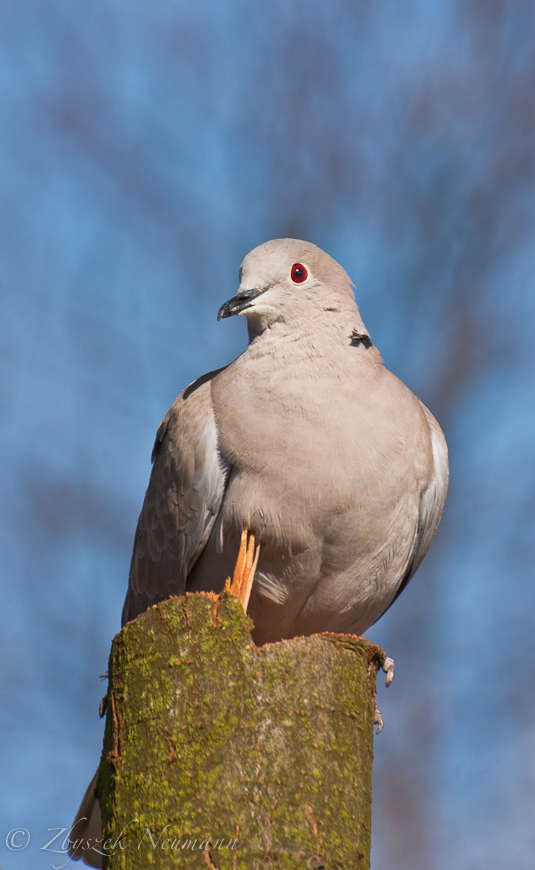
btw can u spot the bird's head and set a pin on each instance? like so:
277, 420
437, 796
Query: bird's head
292, 282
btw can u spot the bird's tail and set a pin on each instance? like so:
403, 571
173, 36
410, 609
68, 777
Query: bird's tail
85, 842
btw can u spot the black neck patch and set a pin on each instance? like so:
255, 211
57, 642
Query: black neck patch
356, 338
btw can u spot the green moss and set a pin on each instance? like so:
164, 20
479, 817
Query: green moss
209, 737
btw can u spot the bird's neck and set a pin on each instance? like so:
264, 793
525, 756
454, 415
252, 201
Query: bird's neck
324, 340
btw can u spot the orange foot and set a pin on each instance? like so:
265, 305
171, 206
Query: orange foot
242, 581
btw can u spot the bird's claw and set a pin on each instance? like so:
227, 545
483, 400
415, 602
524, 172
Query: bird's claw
242, 580
388, 668
377, 718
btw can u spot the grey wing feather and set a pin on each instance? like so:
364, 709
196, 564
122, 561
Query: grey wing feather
432, 502
184, 495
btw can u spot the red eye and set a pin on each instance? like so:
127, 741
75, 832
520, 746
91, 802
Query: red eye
298, 273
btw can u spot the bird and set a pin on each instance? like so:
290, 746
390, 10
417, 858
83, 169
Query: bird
307, 442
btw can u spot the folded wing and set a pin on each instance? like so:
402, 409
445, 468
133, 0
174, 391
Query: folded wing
432, 501
182, 501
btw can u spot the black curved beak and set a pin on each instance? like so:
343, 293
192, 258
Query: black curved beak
238, 303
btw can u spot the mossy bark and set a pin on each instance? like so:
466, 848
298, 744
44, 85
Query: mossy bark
220, 754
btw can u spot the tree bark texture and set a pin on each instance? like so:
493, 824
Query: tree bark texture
223, 755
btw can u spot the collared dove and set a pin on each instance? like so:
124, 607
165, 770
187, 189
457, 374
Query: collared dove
307, 441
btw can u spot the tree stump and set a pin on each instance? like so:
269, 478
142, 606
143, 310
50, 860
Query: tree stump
220, 754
